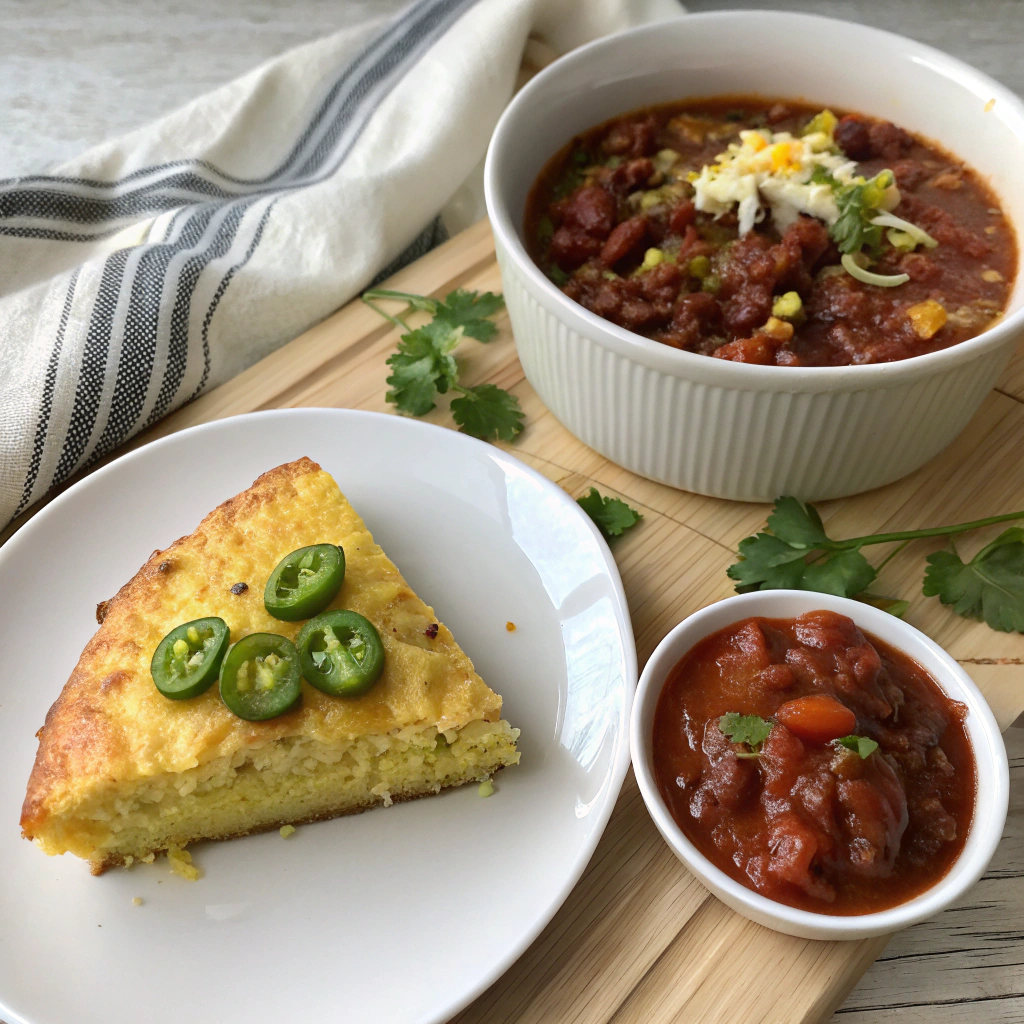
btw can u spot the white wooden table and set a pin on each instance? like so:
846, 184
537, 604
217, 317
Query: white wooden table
73, 72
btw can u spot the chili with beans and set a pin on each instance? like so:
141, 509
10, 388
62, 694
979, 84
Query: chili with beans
643, 221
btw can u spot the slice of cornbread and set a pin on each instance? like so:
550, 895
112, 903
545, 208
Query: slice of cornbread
122, 772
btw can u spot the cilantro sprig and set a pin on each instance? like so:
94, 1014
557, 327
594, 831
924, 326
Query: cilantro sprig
749, 730
612, 516
795, 553
424, 366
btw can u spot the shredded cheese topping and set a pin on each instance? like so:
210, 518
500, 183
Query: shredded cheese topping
772, 172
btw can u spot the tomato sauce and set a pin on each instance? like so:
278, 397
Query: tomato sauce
625, 188
834, 827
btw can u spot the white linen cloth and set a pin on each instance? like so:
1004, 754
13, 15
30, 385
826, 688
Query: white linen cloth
160, 264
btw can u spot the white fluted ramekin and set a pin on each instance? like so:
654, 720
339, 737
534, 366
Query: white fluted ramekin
730, 429
992, 792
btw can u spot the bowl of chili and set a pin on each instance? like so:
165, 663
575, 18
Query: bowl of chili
822, 767
726, 426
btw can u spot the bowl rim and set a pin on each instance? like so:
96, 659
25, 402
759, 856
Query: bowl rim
992, 784
691, 365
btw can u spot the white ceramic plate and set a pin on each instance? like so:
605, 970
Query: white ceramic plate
400, 915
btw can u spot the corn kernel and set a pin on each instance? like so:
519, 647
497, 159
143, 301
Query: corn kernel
652, 258
992, 276
927, 318
286, 831
787, 306
778, 330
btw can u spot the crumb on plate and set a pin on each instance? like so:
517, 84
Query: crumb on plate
181, 864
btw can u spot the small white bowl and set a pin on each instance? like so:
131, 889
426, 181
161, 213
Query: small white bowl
993, 778
728, 429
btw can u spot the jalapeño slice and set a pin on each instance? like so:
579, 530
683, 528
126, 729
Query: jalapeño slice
186, 661
341, 653
305, 582
260, 677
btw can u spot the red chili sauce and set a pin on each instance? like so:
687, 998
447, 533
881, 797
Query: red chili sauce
626, 187
809, 822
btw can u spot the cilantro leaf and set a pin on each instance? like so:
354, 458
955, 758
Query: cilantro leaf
990, 586
488, 412
420, 369
853, 229
844, 573
612, 516
797, 524
469, 310
768, 563
823, 176
862, 745
748, 729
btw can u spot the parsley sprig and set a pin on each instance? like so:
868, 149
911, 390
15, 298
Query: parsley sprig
424, 365
795, 553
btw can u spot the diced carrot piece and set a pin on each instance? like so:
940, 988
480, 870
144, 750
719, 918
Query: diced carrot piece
817, 718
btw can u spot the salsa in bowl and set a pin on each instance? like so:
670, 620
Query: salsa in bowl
820, 765
753, 429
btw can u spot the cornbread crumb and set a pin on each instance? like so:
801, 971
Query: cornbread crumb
992, 276
510, 626
137, 901
991, 103
129, 861
148, 858
181, 864
286, 831
486, 788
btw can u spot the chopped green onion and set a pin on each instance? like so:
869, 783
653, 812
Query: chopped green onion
901, 240
890, 220
854, 269
824, 122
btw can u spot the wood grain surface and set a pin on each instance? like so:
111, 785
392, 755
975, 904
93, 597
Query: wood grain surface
640, 940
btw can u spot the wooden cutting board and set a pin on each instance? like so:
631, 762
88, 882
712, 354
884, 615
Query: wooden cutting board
640, 940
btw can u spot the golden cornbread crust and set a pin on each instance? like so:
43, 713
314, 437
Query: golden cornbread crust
110, 732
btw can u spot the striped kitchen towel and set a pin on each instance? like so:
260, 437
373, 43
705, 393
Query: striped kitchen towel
159, 265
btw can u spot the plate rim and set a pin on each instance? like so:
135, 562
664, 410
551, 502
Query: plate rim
621, 760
